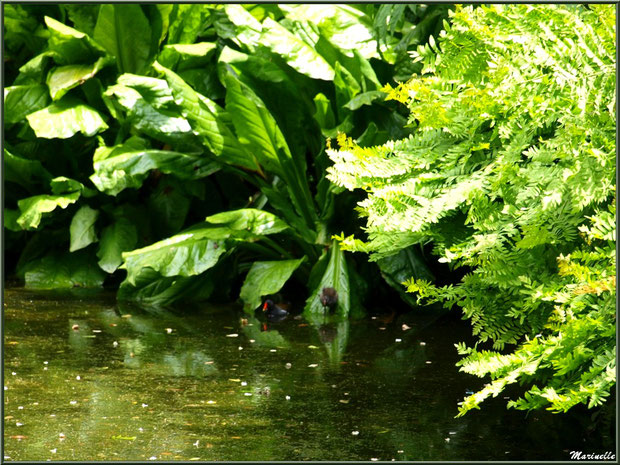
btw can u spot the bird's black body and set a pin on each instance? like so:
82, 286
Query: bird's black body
329, 298
273, 312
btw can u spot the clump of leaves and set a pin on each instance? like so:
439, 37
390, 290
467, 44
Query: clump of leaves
185, 145
511, 176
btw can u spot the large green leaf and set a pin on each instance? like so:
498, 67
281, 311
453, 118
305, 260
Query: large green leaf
71, 46
248, 221
199, 248
27, 173
125, 33
57, 270
33, 208
255, 126
116, 238
20, 101
149, 107
185, 254
266, 278
345, 26
179, 57
209, 121
186, 22
65, 118
153, 289
297, 53
121, 166
64, 78
82, 229
336, 276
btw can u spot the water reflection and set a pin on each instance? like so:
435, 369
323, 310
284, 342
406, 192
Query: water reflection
97, 381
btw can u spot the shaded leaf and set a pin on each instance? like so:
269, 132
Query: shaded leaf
117, 238
56, 270
20, 101
82, 228
366, 98
27, 173
266, 278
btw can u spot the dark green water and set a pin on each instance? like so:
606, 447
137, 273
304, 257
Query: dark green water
132, 384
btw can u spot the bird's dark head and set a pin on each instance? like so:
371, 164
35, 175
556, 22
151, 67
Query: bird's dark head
267, 305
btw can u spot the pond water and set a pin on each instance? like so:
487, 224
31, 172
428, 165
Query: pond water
88, 379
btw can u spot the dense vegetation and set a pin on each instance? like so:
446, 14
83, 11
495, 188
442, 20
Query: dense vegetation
188, 152
185, 143
510, 175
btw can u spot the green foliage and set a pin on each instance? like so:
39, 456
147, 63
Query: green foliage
183, 145
510, 175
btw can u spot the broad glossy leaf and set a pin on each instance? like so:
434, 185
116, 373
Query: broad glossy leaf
121, 236
148, 105
255, 126
324, 114
179, 57
209, 121
249, 220
247, 29
125, 33
71, 46
122, 167
20, 101
33, 208
185, 254
298, 54
336, 276
82, 229
199, 248
57, 270
64, 78
346, 27
27, 173
186, 22
266, 278
65, 118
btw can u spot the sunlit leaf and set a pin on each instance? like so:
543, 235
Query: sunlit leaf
64, 118
64, 78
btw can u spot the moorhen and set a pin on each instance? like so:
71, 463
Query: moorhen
273, 312
329, 298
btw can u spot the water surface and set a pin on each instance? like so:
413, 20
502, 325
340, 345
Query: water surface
87, 379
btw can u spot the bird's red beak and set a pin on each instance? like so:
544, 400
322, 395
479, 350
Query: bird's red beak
265, 307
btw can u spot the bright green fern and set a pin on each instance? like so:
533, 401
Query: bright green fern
510, 174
